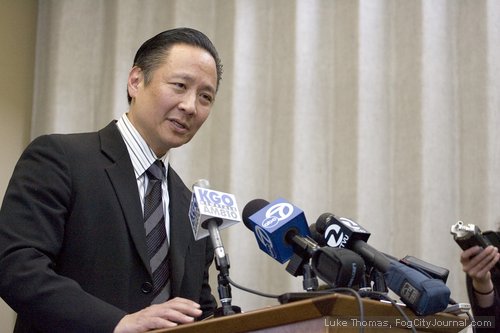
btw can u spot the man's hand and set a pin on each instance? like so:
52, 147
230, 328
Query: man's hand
169, 314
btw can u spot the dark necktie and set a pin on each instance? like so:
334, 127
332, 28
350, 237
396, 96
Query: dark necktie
156, 235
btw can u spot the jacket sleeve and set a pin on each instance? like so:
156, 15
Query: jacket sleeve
32, 226
488, 317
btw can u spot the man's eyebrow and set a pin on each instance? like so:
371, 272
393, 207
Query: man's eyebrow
209, 88
190, 78
185, 77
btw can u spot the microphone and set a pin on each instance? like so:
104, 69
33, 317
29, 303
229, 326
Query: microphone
279, 228
422, 294
207, 204
210, 211
339, 267
282, 232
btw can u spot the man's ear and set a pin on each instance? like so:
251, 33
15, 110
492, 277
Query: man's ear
135, 79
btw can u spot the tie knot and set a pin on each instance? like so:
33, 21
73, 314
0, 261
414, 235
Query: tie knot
156, 170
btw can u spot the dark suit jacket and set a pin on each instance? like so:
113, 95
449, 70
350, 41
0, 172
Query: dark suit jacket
72, 242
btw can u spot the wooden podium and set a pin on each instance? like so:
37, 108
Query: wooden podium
325, 314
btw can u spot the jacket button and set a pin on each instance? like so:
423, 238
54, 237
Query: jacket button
146, 287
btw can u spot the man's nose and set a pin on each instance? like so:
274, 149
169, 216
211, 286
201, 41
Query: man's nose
188, 103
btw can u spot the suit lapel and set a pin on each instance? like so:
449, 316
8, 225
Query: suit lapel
181, 234
122, 176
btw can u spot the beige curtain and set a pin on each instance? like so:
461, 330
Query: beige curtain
383, 111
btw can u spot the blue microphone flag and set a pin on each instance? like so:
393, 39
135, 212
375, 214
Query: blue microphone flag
272, 223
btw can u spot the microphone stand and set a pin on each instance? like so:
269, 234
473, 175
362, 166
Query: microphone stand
222, 265
378, 281
224, 290
377, 289
299, 265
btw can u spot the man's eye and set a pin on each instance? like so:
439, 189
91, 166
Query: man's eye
179, 85
207, 98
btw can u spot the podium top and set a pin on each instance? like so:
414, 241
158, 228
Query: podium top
333, 309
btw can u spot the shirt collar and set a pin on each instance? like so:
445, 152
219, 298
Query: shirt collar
141, 155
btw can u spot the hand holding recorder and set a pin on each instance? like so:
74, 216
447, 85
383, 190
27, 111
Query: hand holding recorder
479, 257
474, 260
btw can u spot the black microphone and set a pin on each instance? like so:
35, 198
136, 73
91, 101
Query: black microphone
339, 267
422, 294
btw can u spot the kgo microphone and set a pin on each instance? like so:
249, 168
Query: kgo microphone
209, 212
422, 294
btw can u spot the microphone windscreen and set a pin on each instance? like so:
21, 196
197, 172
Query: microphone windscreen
338, 267
251, 208
322, 222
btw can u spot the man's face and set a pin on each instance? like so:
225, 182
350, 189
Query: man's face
178, 99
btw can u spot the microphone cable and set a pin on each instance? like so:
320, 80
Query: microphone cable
345, 290
357, 295
471, 318
251, 291
469, 315
358, 300
333, 290
382, 295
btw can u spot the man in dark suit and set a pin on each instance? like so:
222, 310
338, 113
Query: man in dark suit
74, 251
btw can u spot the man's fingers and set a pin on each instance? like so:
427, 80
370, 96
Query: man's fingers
169, 314
179, 310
